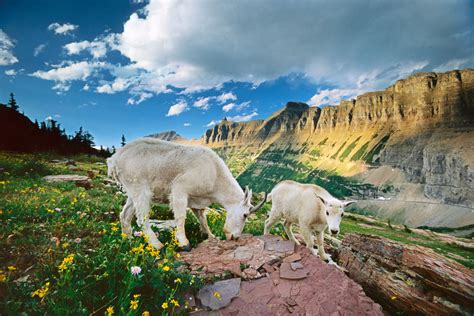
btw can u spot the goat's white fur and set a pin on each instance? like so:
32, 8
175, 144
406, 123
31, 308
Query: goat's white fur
308, 206
186, 176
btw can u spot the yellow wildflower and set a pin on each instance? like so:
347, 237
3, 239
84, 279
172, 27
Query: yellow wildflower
3, 277
50, 211
41, 292
146, 313
217, 295
178, 280
393, 298
137, 250
164, 305
123, 235
66, 261
178, 255
134, 304
65, 245
110, 311
174, 302
166, 268
136, 296
11, 268
114, 228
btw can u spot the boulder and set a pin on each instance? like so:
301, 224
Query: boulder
80, 181
407, 279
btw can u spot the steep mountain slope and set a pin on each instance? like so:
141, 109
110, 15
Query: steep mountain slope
412, 142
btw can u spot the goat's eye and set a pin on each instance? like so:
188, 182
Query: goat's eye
245, 216
327, 213
342, 214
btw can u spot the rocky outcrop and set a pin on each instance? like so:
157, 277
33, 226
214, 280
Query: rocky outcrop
80, 181
278, 278
407, 279
170, 136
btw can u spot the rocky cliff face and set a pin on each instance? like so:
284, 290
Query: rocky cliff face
170, 136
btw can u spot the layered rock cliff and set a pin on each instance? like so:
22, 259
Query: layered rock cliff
422, 128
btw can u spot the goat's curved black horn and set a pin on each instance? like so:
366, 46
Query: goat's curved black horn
259, 205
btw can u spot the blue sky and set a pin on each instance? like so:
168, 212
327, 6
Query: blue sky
140, 67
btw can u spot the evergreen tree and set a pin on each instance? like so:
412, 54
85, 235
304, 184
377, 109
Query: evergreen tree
123, 143
12, 102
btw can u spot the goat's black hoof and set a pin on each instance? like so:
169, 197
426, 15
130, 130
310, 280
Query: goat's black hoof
186, 248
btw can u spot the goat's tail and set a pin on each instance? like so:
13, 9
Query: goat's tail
269, 197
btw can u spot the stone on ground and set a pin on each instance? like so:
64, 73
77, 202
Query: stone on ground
80, 181
219, 294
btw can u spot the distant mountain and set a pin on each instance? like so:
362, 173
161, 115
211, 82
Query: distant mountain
411, 146
19, 133
170, 136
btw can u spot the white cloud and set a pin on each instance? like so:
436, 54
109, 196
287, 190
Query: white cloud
10, 72
86, 87
39, 49
228, 107
238, 107
62, 29
243, 118
176, 36
223, 98
117, 85
452, 64
97, 49
61, 87
202, 103
69, 71
332, 96
6, 46
187, 124
139, 98
177, 108
212, 123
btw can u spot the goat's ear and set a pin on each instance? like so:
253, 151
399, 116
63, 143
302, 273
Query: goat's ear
322, 200
347, 203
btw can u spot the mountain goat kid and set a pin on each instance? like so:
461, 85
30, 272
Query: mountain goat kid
186, 176
309, 206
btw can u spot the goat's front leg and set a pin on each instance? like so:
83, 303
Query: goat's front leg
320, 243
179, 202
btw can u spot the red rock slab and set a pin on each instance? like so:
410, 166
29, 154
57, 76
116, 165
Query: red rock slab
215, 257
325, 291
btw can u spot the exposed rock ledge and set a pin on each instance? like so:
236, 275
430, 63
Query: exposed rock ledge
277, 279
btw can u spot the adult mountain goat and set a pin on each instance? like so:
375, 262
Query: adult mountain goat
187, 176
309, 206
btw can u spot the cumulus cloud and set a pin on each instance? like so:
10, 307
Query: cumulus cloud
10, 72
39, 49
243, 118
139, 98
6, 46
202, 103
177, 108
321, 47
117, 85
212, 123
186, 124
69, 71
238, 107
96, 49
62, 29
228, 96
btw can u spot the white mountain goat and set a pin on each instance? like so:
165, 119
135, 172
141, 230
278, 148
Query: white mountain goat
187, 176
309, 206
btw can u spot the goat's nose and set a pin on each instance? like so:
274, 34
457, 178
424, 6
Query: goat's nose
334, 231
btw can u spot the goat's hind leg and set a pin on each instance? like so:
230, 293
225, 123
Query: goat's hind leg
202, 218
287, 226
142, 205
126, 217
